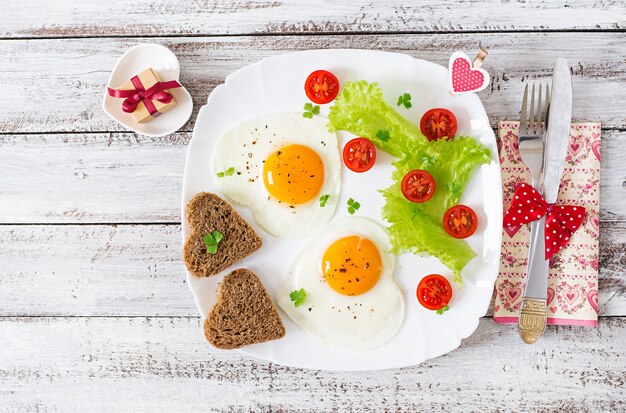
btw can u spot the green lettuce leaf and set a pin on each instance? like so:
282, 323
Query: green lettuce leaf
451, 164
362, 110
411, 230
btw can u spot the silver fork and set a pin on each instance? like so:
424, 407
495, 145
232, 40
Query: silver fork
531, 134
531, 148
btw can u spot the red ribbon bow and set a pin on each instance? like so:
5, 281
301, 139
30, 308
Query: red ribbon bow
155, 92
561, 222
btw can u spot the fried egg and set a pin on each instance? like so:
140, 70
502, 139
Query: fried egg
280, 165
352, 300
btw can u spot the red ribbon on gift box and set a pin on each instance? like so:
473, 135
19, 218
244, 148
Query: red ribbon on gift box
561, 220
140, 94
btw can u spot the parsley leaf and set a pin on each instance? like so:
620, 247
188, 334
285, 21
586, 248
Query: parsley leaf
298, 297
405, 100
443, 310
323, 200
227, 172
383, 135
212, 240
310, 110
353, 206
217, 236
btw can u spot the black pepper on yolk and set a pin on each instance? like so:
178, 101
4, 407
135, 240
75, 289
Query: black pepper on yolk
294, 174
352, 265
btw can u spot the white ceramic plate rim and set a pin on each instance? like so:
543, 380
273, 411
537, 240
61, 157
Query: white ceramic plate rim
482, 284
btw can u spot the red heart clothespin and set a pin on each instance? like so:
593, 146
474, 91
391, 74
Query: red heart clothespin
467, 76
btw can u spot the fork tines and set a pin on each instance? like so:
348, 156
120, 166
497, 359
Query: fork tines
532, 125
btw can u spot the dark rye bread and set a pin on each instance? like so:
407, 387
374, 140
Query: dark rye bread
207, 212
244, 313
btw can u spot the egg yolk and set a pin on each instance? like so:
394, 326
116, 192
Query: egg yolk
352, 265
294, 174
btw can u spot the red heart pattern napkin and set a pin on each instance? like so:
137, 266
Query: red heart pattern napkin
573, 279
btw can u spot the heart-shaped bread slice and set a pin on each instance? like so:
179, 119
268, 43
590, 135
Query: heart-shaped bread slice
206, 213
244, 313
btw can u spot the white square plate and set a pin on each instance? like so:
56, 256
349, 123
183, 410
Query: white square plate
276, 85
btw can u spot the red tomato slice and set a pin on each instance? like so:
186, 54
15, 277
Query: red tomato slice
437, 123
359, 155
321, 87
460, 221
434, 292
418, 186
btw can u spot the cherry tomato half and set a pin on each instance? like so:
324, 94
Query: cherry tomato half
434, 292
460, 221
321, 87
418, 186
359, 155
437, 123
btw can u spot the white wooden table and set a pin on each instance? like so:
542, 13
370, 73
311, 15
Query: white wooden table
95, 315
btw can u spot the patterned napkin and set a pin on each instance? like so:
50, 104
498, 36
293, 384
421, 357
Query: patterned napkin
573, 278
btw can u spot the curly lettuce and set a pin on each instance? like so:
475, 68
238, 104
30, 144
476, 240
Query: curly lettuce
361, 109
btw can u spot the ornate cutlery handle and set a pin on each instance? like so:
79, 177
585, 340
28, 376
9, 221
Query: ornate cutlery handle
532, 319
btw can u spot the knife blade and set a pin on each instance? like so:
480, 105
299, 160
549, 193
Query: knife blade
533, 317
555, 152
557, 134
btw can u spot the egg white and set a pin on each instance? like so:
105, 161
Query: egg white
246, 145
354, 323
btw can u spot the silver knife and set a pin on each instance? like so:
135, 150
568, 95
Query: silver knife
532, 320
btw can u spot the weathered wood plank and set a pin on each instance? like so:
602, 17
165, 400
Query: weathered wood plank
73, 72
42, 18
109, 177
612, 284
136, 270
154, 365
125, 270
121, 177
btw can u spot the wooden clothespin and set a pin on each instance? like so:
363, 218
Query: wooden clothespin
480, 58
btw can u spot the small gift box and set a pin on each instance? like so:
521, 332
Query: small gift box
146, 96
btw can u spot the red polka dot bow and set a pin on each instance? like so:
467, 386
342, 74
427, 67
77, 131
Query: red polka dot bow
561, 222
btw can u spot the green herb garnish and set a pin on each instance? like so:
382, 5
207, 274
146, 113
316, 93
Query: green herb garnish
383, 135
443, 310
310, 110
405, 100
298, 297
323, 200
353, 206
227, 172
212, 240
